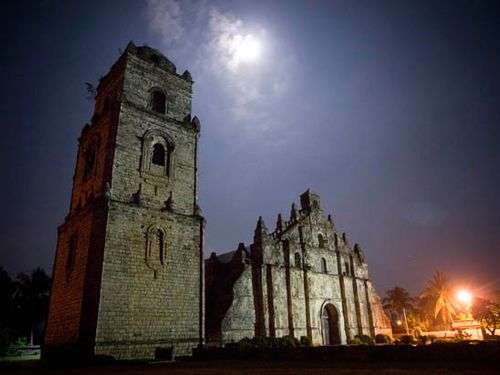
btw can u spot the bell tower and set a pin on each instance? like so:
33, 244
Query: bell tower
128, 271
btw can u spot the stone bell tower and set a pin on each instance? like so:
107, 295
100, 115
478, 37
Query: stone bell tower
128, 271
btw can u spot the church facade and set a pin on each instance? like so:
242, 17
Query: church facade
128, 275
302, 279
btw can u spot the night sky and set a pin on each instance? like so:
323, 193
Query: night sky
389, 110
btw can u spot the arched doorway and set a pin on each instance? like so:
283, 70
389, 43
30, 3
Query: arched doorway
330, 325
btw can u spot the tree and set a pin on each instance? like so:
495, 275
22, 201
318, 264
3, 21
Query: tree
6, 291
32, 300
6, 310
438, 291
398, 301
488, 314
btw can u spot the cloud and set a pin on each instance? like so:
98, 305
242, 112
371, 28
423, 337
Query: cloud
166, 18
245, 91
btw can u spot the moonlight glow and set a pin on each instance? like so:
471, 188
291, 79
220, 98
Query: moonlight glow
246, 49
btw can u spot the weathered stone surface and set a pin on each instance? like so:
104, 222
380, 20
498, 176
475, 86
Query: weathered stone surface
301, 279
136, 283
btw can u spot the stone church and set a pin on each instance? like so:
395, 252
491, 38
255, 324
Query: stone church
128, 275
301, 279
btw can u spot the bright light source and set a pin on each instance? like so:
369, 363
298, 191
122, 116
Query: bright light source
464, 296
399, 322
247, 48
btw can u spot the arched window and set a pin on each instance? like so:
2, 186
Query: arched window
298, 260
321, 241
158, 155
158, 101
161, 245
324, 269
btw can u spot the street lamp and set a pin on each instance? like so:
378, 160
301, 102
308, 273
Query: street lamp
465, 298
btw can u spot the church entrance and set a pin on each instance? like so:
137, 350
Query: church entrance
330, 325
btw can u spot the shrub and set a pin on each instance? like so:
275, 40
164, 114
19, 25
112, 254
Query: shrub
365, 339
288, 342
260, 343
422, 340
407, 340
382, 339
305, 341
355, 341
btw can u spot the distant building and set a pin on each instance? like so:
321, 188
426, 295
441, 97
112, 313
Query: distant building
302, 279
128, 266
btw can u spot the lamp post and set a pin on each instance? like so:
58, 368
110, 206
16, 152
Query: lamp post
406, 321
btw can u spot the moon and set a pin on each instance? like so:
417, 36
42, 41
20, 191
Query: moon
247, 49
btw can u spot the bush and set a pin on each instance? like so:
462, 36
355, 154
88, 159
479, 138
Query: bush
365, 339
286, 342
423, 339
407, 340
382, 339
305, 341
355, 341
426, 340
261, 343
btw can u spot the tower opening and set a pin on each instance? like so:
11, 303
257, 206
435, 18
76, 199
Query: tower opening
158, 155
158, 102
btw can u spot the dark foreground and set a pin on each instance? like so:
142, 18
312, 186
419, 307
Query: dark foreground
247, 367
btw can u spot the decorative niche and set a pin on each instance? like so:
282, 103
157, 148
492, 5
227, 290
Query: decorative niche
156, 248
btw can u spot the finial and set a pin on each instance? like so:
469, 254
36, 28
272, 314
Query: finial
279, 224
169, 203
344, 237
195, 123
187, 76
293, 213
261, 226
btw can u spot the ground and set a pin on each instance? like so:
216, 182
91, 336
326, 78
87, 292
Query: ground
253, 367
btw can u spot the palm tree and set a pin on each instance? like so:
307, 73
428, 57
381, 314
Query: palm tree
397, 301
438, 291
